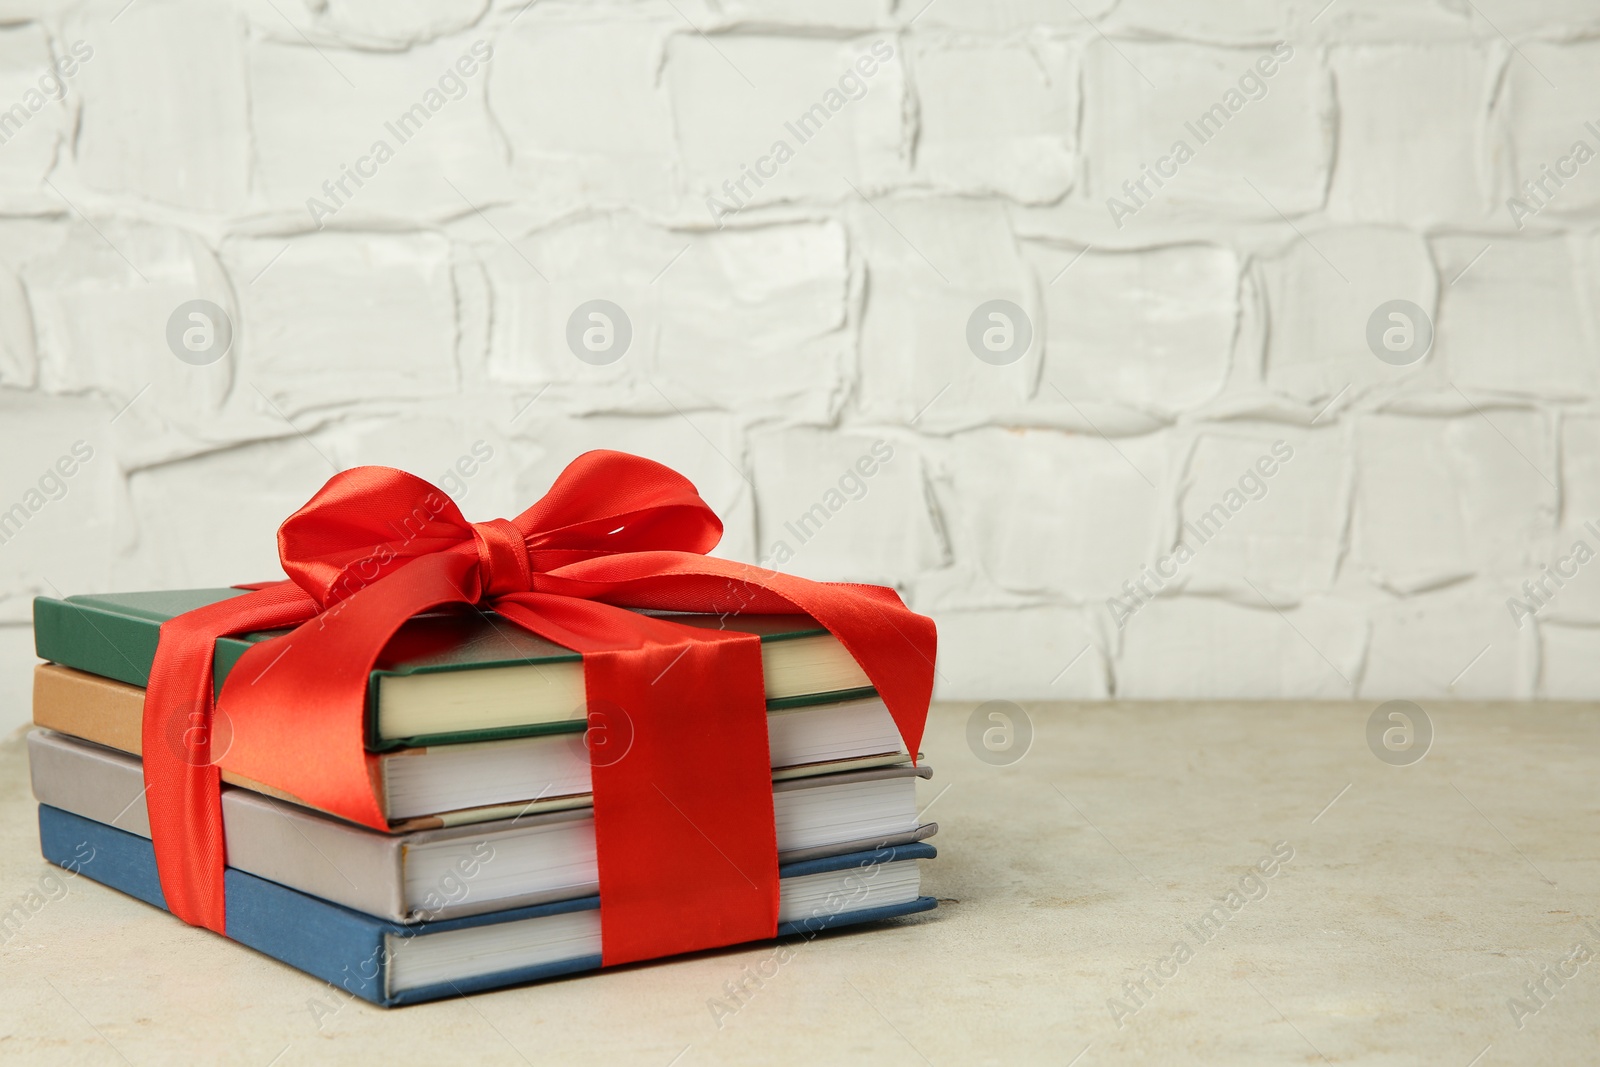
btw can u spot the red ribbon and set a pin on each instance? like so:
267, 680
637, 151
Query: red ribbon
683, 821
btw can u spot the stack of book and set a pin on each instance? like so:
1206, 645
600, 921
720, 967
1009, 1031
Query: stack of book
487, 874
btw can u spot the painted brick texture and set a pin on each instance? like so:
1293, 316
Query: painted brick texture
800, 217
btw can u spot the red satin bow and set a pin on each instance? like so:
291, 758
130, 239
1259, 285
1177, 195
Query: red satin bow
684, 825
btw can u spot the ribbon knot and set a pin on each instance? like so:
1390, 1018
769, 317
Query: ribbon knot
503, 565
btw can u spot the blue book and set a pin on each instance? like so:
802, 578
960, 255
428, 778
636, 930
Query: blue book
390, 964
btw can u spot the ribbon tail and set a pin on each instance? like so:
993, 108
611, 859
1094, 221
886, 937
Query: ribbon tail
681, 766
182, 740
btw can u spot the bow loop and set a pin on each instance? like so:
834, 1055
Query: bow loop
645, 506
363, 525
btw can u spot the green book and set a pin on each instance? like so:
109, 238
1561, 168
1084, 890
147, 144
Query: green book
446, 677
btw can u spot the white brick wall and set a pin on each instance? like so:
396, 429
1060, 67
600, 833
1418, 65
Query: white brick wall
402, 304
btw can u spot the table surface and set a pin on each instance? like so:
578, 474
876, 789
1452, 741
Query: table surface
1410, 907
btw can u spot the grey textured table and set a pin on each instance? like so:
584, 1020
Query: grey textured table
1417, 903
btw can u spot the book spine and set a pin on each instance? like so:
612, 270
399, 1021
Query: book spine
337, 945
98, 642
105, 643
331, 859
